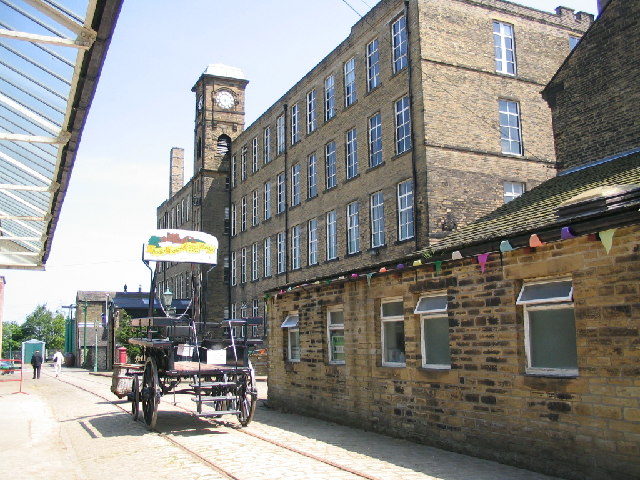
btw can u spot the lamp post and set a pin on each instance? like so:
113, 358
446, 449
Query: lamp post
167, 299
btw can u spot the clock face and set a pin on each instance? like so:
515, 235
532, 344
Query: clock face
225, 99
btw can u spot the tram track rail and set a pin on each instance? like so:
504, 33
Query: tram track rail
220, 423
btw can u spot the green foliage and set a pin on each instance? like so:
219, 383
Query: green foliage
44, 325
12, 338
124, 332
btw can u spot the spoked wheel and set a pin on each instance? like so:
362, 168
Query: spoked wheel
135, 398
247, 398
150, 393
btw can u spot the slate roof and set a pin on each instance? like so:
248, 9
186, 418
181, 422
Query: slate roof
537, 211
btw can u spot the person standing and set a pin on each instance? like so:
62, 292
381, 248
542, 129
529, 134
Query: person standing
57, 362
36, 363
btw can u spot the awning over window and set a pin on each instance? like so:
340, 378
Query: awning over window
291, 321
432, 304
546, 292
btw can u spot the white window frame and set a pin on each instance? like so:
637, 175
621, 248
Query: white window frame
234, 267
281, 193
291, 323
254, 208
233, 310
233, 171
311, 111
332, 235
329, 97
373, 65
254, 262
295, 124
296, 263
545, 303
331, 169
403, 125
312, 241
389, 319
267, 200
312, 176
376, 203
234, 219
266, 261
375, 140
351, 154
243, 214
243, 265
280, 134
282, 252
399, 44
334, 330
510, 127
353, 227
504, 44
432, 314
254, 155
350, 93
512, 190
255, 312
243, 163
295, 185
266, 145
406, 225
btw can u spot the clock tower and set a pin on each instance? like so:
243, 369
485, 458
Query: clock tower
219, 119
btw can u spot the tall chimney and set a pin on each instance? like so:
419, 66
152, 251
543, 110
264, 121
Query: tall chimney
176, 167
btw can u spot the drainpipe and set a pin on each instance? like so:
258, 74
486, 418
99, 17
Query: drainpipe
286, 203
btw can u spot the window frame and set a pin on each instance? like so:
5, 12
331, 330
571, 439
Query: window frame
295, 124
281, 193
329, 97
399, 45
373, 64
243, 214
402, 115
501, 48
254, 262
375, 141
509, 133
281, 247
254, 208
406, 219
332, 328
311, 111
280, 135
312, 242
331, 168
243, 265
376, 215
267, 200
234, 267
296, 261
331, 235
266, 261
295, 185
291, 323
254, 155
312, 176
433, 314
266, 145
511, 194
384, 319
351, 153
350, 91
353, 228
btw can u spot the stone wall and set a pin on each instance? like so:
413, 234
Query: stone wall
485, 404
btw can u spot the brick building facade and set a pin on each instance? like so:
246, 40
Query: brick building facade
426, 117
92, 333
516, 337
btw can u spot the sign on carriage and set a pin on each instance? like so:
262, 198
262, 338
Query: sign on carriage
181, 246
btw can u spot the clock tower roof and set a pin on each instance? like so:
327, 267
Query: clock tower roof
220, 70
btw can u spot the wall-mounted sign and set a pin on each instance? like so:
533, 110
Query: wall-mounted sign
181, 246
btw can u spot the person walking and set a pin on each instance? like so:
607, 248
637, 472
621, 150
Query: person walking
57, 362
36, 363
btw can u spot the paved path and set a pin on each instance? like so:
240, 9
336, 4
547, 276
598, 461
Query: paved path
60, 429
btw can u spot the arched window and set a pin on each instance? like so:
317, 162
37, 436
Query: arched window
224, 144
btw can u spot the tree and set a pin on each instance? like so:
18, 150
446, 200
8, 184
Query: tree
44, 325
124, 332
12, 337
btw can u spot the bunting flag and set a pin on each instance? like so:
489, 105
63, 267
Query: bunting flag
382, 270
534, 241
354, 275
606, 237
417, 263
438, 266
505, 246
400, 266
456, 255
482, 260
566, 233
369, 275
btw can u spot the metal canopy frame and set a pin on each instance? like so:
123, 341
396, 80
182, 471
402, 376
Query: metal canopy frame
51, 56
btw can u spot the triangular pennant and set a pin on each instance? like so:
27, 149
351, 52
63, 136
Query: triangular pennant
438, 266
534, 241
505, 246
482, 260
456, 255
606, 238
566, 233
417, 263
369, 275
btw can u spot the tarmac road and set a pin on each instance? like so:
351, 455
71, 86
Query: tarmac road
74, 428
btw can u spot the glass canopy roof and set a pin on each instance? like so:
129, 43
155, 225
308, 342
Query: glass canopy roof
51, 55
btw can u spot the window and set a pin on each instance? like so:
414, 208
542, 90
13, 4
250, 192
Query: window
512, 190
266, 145
405, 210
510, 135
282, 254
392, 322
352, 153
377, 220
504, 46
280, 134
573, 42
255, 312
243, 265
403, 126
254, 208
281, 193
312, 247
295, 248
399, 44
254, 261
330, 165
434, 326
332, 235
329, 98
243, 163
233, 171
295, 185
266, 265
350, 95
311, 111
290, 325
233, 269
243, 214
335, 334
312, 176
295, 128
234, 219
233, 310
375, 140
373, 65
550, 328
254, 155
267, 200
353, 227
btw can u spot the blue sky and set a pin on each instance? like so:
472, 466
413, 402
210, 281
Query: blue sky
144, 106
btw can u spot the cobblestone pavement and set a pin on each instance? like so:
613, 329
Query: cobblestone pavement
59, 427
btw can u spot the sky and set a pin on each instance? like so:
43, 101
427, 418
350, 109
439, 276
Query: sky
144, 106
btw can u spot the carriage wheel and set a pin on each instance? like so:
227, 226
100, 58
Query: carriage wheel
135, 398
247, 398
150, 393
